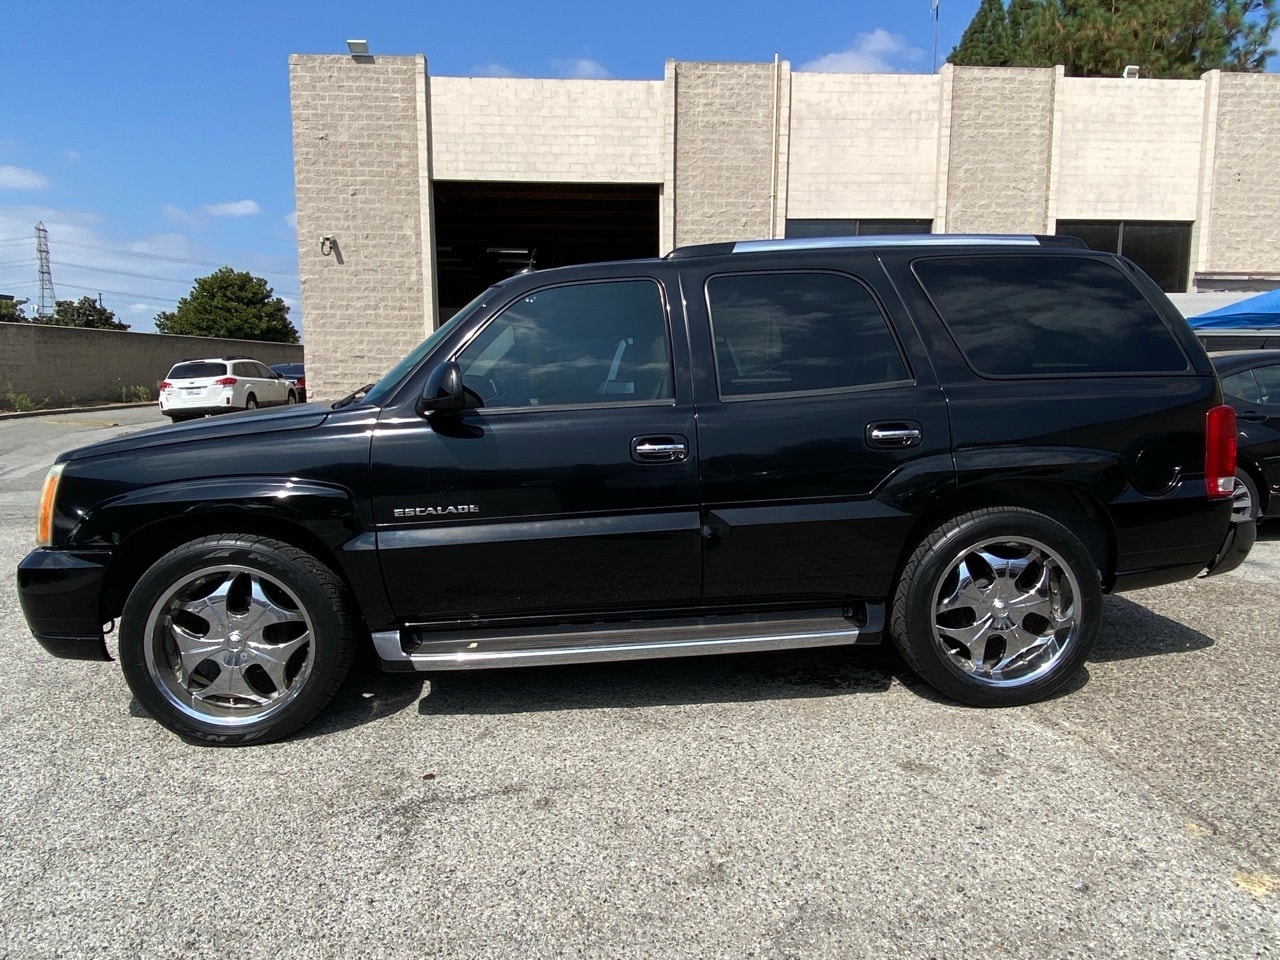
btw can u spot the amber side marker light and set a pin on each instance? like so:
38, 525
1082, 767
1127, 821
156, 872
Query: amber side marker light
44, 517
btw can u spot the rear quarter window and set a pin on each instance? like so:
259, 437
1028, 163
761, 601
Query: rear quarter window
197, 371
1028, 316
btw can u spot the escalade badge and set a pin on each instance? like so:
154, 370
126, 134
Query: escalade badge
435, 511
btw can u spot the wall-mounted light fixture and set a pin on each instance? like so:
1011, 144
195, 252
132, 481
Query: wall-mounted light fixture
358, 48
327, 244
1131, 72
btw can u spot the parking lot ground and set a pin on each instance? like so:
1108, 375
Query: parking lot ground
799, 805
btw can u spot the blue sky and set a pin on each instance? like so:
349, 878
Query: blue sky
153, 139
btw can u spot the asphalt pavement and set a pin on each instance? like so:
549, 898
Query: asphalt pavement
798, 805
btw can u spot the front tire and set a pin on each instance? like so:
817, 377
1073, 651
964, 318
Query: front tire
998, 607
236, 639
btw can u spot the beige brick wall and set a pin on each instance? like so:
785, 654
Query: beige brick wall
863, 145
35, 360
575, 131
1245, 228
1000, 143
358, 152
724, 150
1129, 149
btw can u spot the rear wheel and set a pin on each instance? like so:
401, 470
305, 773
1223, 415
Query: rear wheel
236, 639
251, 402
998, 607
292, 398
1245, 502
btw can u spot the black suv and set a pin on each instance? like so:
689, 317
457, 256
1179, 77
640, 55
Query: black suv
961, 442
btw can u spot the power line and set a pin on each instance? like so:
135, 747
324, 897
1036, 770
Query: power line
157, 256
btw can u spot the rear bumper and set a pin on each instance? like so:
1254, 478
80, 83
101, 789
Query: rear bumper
1235, 547
60, 592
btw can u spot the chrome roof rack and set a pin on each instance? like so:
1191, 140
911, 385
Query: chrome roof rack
874, 240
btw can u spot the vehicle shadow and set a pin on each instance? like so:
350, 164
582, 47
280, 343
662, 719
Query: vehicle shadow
1129, 631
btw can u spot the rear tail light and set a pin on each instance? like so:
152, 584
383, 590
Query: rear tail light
44, 515
301, 382
225, 382
1220, 452
166, 385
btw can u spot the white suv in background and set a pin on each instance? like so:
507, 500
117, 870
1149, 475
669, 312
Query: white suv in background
194, 388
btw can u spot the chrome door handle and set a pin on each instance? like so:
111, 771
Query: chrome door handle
905, 434
659, 449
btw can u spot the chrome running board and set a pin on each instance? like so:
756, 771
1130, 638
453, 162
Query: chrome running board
406, 650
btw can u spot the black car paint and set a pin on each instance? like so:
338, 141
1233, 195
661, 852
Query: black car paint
780, 503
1258, 426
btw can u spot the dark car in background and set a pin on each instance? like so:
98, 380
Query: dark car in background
296, 374
1251, 384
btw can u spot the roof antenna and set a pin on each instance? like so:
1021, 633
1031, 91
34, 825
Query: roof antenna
533, 260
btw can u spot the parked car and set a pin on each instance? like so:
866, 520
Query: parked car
959, 443
296, 374
1251, 384
196, 388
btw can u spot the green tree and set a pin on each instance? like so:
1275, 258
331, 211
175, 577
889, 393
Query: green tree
985, 42
11, 311
230, 303
85, 312
1170, 39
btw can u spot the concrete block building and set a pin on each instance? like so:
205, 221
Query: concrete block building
415, 192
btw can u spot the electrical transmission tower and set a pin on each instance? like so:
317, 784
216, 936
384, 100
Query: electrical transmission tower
48, 302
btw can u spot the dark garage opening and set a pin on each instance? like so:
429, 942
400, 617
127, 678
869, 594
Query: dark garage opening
487, 231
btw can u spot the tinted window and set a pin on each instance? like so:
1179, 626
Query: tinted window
1048, 315
793, 332
1268, 383
197, 370
583, 343
1241, 386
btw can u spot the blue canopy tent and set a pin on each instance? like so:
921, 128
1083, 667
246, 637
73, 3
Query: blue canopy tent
1253, 313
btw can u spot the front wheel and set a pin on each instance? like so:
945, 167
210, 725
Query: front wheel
236, 639
998, 607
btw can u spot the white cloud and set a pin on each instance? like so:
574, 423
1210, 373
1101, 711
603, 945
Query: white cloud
580, 69
178, 215
142, 308
236, 208
493, 70
20, 178
291, 220
870, 53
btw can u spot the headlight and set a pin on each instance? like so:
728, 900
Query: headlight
44, 518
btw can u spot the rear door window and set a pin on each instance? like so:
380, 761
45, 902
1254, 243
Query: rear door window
1027, 316
1241, 386
798, 333
197, 370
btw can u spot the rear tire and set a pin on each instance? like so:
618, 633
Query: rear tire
236, 639
292, 398
998, 607
251, 402
1246, 504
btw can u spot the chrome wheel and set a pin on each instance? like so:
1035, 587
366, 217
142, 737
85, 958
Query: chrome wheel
1006, 611
1244, 501
228, 645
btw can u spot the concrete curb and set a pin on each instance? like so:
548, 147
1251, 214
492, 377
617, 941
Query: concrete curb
59, 410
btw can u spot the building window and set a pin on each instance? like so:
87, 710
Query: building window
1161, 249
854, 228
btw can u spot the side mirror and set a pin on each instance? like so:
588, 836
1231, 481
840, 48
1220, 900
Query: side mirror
443, 389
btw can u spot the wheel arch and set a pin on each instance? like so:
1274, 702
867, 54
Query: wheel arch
1074, 508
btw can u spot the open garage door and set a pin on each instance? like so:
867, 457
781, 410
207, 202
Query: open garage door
487, 231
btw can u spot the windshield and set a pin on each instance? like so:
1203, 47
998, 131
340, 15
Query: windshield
392, 378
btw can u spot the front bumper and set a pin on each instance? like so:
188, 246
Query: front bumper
1235, 547
61, 596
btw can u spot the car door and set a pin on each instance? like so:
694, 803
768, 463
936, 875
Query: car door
811, 409
1258, 419
570, 485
